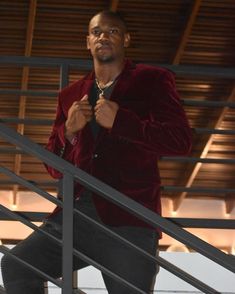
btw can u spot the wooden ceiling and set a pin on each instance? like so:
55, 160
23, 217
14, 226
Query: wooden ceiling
177, 32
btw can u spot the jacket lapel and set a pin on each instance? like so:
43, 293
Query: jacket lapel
118, 92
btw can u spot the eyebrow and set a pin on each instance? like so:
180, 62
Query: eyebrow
98, 27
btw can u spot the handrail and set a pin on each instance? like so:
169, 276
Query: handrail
116, 197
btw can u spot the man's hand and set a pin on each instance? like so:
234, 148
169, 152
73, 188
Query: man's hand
105, 112
78, 115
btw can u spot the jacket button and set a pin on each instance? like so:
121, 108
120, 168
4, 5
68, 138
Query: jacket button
95, 155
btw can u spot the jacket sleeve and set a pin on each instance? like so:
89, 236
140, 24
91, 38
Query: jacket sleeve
166, 130
57, 142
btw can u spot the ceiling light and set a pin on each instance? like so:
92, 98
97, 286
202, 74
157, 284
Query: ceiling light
204, 86
14, 206
174, 212
233, 250
178, 248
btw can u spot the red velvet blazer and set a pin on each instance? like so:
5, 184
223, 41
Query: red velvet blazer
150, 123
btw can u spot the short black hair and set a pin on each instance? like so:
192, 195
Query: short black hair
113, 14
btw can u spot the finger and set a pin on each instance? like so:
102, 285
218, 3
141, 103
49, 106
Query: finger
75, 103
84, 102
88, 117
87, 112
97, 107
85, 107
84, 98
101, 100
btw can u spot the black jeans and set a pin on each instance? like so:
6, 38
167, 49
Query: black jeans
45, 254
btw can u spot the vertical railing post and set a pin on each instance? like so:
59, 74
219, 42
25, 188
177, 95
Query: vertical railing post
64, 75
67, 252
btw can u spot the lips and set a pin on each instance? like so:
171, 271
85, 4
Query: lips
104, 47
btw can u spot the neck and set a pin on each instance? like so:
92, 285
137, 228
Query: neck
107, 72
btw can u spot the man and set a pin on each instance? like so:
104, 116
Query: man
114, 124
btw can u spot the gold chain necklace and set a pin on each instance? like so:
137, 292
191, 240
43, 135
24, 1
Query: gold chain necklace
105, 87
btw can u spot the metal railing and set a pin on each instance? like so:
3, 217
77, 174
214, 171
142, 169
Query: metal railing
71, 174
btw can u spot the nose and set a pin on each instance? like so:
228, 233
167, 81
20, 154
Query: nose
104, 35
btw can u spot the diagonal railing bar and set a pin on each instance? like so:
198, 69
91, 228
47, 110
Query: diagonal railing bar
87, 64
118, 198
162, 262
5, 250
30, 186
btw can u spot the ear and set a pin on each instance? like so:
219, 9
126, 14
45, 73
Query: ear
127, 40
88, 43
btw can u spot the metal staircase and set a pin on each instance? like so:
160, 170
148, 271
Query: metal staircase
171, 227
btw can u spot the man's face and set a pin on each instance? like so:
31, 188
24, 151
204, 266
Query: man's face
107, 39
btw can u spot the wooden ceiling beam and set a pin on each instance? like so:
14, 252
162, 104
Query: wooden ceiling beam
229, 203
187, 32
176, 60
114, 5
24, 86
178, 201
